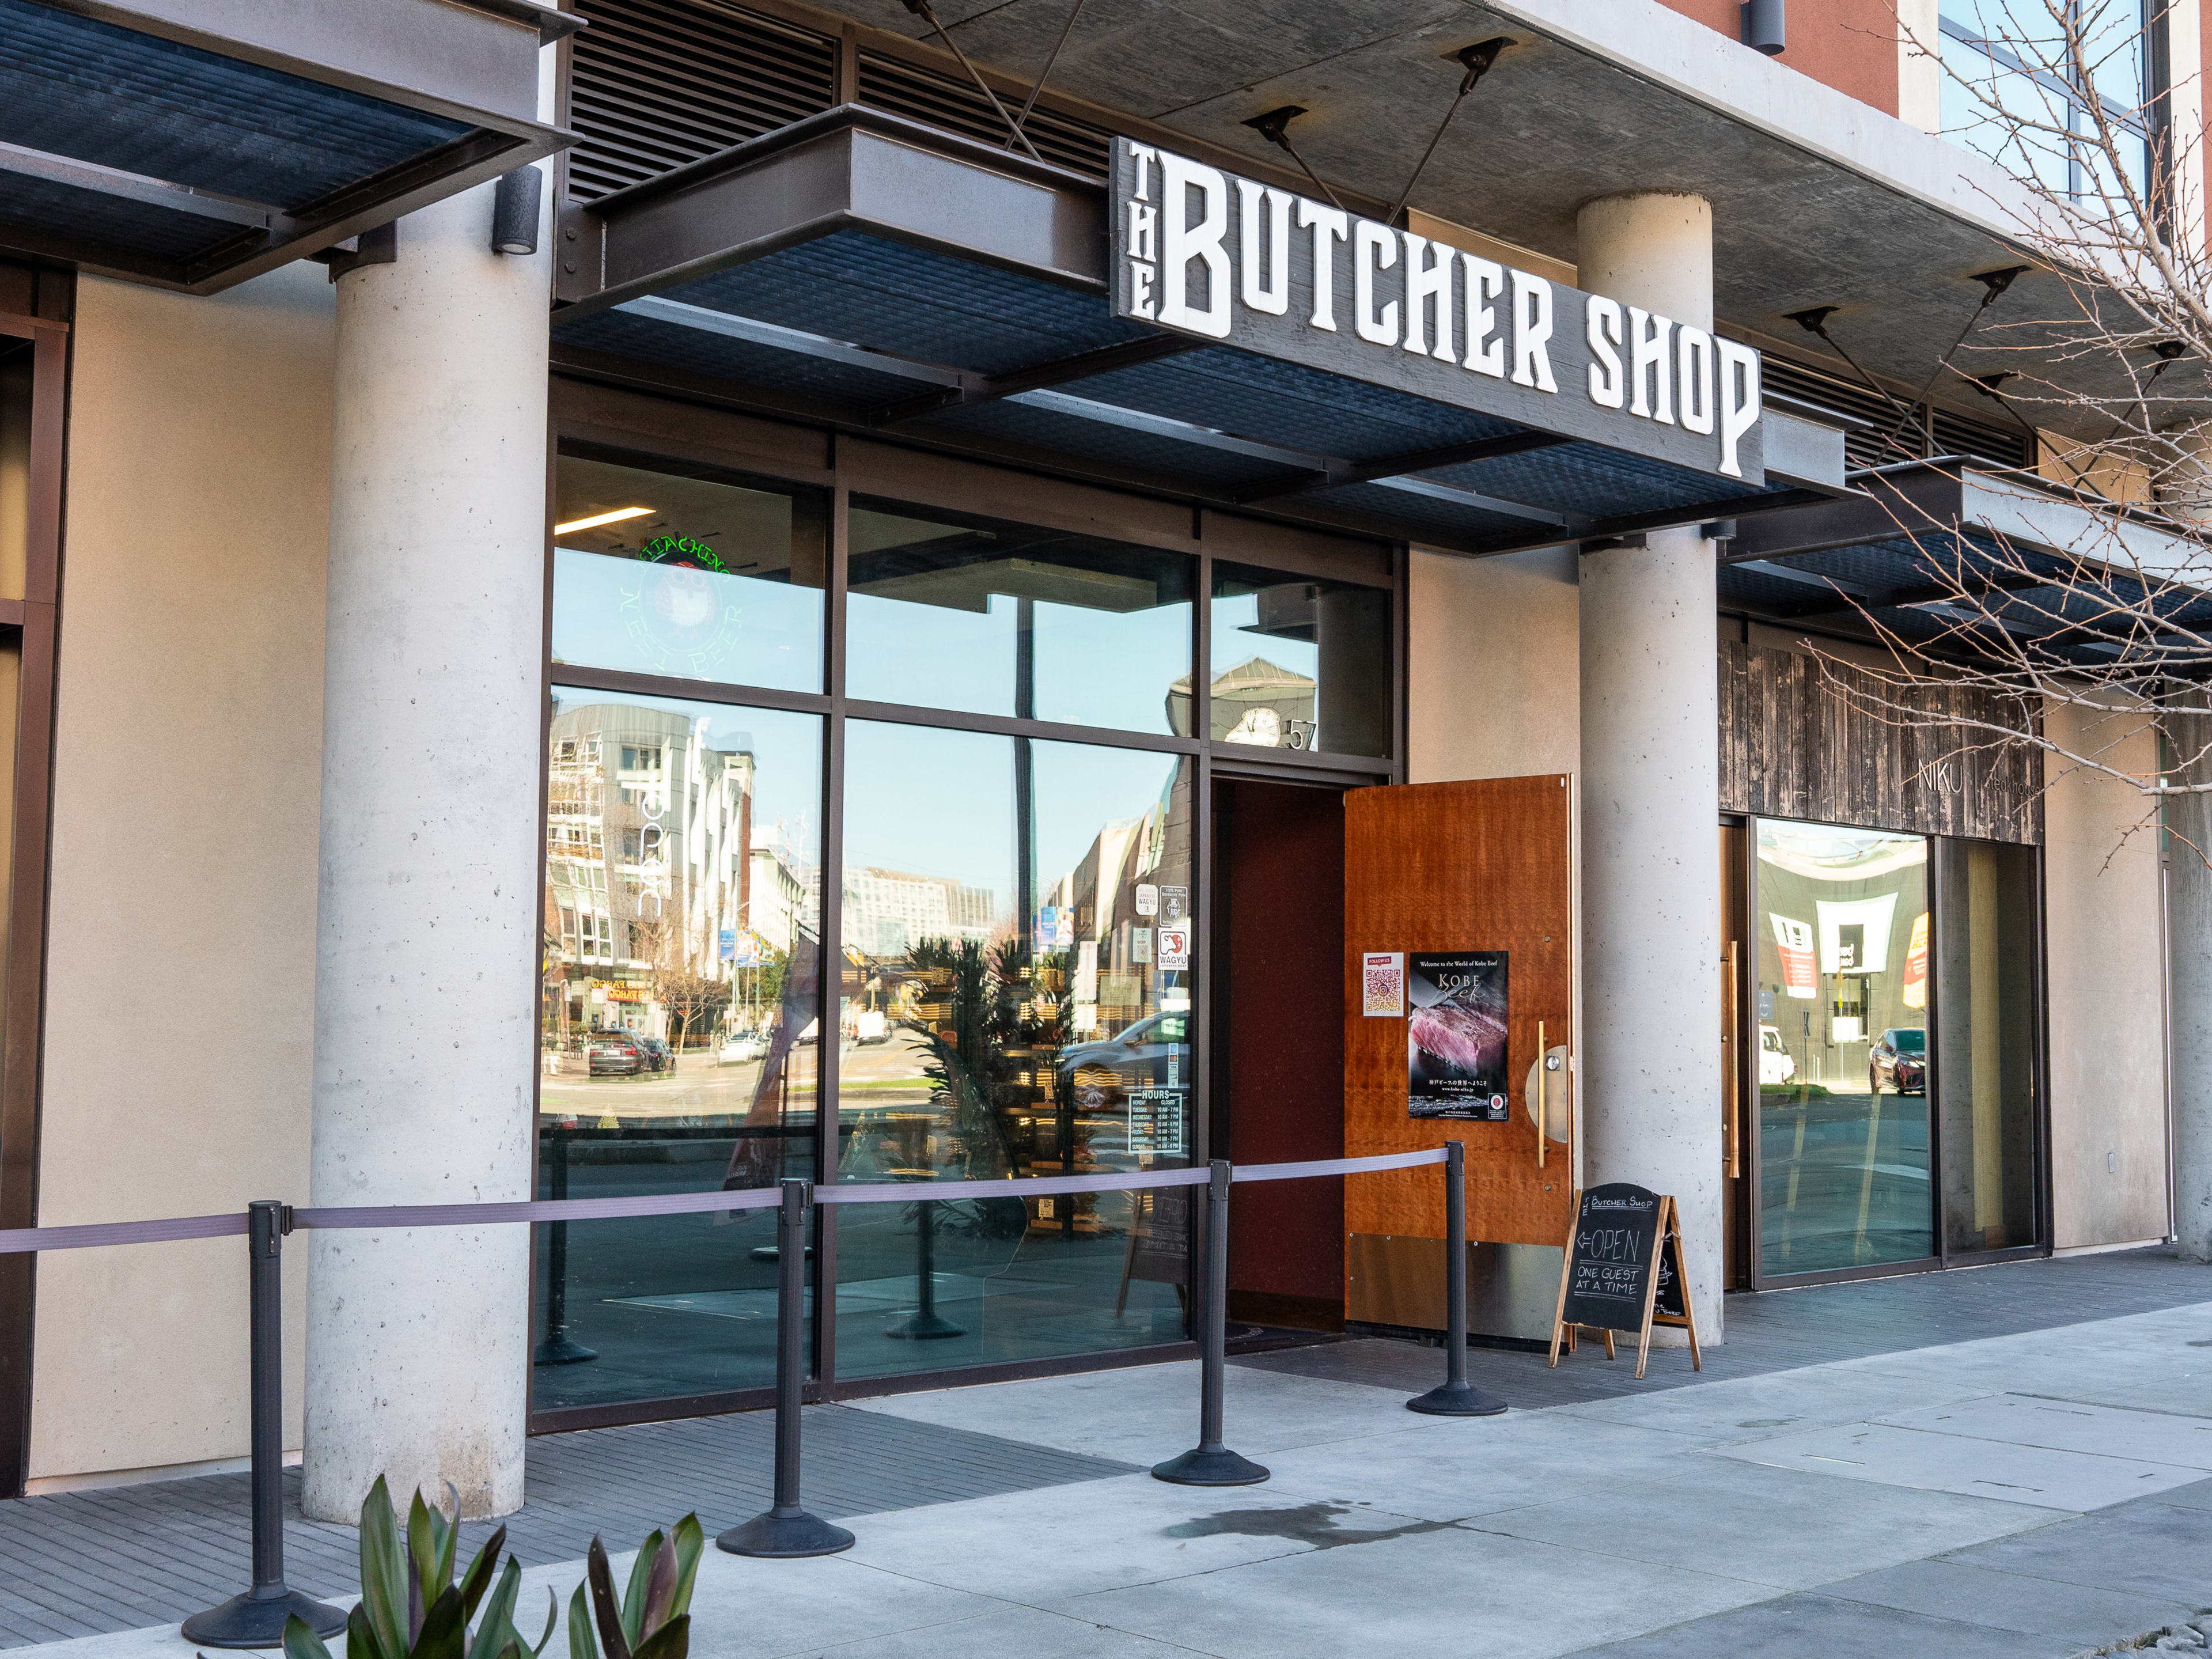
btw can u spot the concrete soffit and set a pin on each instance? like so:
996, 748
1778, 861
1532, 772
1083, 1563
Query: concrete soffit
1692, 61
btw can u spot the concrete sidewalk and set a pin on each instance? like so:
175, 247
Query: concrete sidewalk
2041, 1493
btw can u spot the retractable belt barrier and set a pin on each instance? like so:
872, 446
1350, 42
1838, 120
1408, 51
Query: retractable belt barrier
256, 1619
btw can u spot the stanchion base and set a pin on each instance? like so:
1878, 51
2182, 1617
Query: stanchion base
925, 1327
243, 1622
1219, 1467
1456, 1400
562, 1350
775, 1537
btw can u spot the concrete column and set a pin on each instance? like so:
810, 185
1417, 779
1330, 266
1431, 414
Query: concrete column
2185, 491
1650, 796
426, 949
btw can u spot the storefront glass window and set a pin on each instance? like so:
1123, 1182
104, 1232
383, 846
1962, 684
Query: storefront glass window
1297, 663
1003, 619
686, 574
1015, 1001
1986, 1043
1843, 997
679, 1038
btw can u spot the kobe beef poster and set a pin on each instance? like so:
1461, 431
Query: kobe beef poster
1455, 1036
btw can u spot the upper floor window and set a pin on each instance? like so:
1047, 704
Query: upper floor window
2020, 80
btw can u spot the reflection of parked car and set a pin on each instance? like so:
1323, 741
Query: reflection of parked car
1776, 1064
740, 1048
1149, 1041
660, 1057
1898, 1057
616, 1053
870, 1026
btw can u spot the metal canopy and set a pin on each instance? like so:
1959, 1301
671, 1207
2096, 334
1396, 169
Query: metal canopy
193, 144
869, 272
1899, 553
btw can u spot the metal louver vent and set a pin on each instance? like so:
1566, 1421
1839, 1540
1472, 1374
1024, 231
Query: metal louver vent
656, 84
1988, 440
1948, 434
957, 105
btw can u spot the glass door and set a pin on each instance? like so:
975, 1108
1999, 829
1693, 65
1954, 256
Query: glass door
1841, 989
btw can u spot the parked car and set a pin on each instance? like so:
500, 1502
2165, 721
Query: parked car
740, 1048
1898, 1057
615, 1054
660, 1057
1149, 1042
1776, 1065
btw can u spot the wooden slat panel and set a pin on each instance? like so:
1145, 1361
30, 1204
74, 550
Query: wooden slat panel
1800, 742
1479, 866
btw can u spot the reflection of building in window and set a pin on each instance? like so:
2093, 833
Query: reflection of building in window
650, 859
1257, 702
888, 912
2014, 55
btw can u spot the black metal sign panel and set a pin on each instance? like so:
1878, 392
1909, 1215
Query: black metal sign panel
1205, 252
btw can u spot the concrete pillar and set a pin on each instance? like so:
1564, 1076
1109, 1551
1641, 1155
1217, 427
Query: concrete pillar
426, 949
1650, 796
2185, 491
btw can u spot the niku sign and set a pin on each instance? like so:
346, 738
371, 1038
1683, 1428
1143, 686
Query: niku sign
1209, 253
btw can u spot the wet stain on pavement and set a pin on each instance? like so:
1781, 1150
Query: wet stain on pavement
1307, 1523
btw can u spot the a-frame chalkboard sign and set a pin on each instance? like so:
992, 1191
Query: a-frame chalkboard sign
1624, 1271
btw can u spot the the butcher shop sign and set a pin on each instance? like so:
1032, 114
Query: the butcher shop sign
1455, 1036
1205, 252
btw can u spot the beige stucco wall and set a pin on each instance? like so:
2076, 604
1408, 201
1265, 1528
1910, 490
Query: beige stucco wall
180, 974
1493, 669
2107, 1036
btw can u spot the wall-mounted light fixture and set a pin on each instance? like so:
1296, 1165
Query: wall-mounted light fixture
1763, 26
514, 211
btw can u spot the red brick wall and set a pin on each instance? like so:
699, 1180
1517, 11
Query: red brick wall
1851, 45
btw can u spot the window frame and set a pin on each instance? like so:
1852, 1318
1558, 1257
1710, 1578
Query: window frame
638, 430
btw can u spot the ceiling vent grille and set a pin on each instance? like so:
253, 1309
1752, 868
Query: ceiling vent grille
658, 83
957, 105
1869, 445
1988, 440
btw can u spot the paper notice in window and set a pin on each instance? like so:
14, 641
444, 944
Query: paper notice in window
1382, 984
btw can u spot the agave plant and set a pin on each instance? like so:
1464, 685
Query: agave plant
653, 1620
410, 1606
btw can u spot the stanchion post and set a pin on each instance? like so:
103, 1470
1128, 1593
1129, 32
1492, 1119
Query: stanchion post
1211, 1463
256, 1619
557, 1347
1455, 1396
787, 1531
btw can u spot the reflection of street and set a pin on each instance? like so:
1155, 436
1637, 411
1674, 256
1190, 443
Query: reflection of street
695, 1086
1845, 1179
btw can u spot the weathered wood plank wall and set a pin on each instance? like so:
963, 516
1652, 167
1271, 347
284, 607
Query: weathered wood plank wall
1794, 746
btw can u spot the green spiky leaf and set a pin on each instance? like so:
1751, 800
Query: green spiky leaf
496, 1628
384, 1590
659, 1587
689, 1542
445, 1628
360, 1636
552, 1614
671, 1641
300, 1641
477, 1579
582, 1644
606, 1612
638, 1590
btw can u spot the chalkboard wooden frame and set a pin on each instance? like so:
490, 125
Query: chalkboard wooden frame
1667, 1260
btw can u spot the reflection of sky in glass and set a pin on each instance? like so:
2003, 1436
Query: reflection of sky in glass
931, 803
1093, 667
688, 624
786, 750
940, 803
1232, 645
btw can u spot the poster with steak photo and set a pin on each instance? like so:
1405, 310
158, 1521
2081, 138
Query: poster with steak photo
1455, 1034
